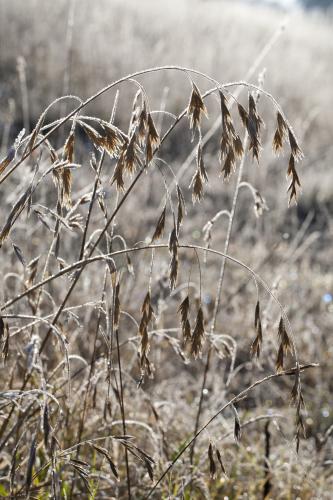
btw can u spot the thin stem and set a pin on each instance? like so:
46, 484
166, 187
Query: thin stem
89, 379
122, 408
81, 264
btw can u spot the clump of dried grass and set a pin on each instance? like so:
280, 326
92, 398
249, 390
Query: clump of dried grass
67, 456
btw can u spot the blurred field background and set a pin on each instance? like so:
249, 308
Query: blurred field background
48, 49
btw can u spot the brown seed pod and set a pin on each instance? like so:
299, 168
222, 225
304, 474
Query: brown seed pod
219, 458
159, 230
295, 182
112, 141
197, 186
131, 155
212, 465
196, 108
181, 208
184, 308
173, 270
283, 336
238, 147
152, 136
118, 174
229, 164
66, 181
201, 165
243, 115
277, 142
295, 149
198, 334
237, 425
142, 127
69, 148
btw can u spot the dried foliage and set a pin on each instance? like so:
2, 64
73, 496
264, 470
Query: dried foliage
83, 362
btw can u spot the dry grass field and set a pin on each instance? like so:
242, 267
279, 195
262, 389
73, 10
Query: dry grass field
166, 307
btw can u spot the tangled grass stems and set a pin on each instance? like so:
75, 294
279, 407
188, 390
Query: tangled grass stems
234, 400
82, 264
134, 154
241, 395
134, 182
105, 257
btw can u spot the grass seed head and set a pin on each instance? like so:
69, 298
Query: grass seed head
142, 127
238, 147
295, 183
153, 136
229, 164
198, 334
159, 230
180, 208
118, 174
112, 141
197, 186
131, 155
212, 465
295, 149
196, 108
69, 148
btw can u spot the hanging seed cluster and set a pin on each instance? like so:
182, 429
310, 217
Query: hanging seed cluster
193, 338
285, 346
231, 146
